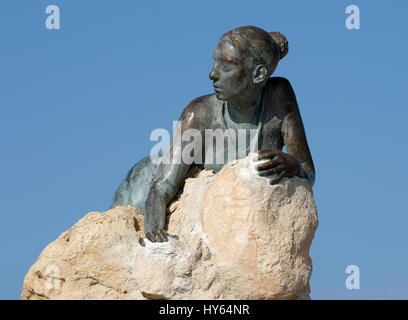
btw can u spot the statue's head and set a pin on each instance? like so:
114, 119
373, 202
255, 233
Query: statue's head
244, 59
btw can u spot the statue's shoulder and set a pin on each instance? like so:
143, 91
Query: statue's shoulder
207, 100
279, 84
200, 107
279, 90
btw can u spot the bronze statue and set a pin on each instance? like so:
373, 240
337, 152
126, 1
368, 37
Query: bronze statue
246, 98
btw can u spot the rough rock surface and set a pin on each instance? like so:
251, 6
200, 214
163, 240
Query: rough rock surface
234, 237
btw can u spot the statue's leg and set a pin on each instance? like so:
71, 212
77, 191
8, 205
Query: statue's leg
135, 186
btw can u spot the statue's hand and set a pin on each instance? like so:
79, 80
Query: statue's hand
157, 235
279, 163
155, 216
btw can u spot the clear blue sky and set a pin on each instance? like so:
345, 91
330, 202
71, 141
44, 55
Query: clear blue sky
77, 106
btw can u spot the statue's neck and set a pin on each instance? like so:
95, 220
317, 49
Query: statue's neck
245, 110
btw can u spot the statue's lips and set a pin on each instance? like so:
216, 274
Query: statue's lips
217, 89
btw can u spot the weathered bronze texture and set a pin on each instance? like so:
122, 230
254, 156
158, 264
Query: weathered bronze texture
246, 97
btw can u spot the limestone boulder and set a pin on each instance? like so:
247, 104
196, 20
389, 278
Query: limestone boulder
233, 236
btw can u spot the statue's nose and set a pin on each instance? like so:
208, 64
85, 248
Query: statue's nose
213, 75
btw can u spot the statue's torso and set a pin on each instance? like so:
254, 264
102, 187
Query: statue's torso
266, 134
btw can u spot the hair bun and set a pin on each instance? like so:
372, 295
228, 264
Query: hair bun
282, 42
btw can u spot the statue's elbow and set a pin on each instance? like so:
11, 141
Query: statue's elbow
312, 178
309, 175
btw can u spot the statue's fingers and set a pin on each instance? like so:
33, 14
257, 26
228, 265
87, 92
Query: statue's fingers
267, 165
163, 234
263, 154
278, 178
272, 171
150, 237
157, 236
266, 154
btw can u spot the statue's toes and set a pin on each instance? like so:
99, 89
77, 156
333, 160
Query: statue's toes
163, 234
150, 237
157, 236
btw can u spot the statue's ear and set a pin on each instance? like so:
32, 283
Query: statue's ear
259, 74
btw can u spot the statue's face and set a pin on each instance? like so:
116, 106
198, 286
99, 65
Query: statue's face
230, 78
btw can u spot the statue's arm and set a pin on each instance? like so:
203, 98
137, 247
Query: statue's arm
168, 180
298, 161
294, 135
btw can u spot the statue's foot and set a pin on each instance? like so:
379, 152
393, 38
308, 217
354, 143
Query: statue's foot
157, 235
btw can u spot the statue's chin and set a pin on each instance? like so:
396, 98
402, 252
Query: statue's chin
220, 96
